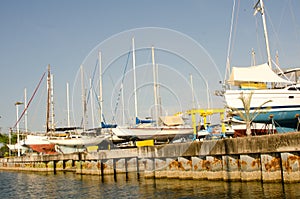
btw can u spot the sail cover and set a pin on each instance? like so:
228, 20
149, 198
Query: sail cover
260, 73
171, 120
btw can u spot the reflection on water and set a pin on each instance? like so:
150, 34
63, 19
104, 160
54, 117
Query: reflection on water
70, 185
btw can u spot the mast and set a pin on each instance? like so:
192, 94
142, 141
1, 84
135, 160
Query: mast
158, 93
227, 72
261, 9
100, 87
134, 81
18, 129
26, 113
193, 94
155, 86
68, 105
92, 103
207, 93
48, 100
123, 106
83, 99
159, 110
52, 104
253, 62
277, 58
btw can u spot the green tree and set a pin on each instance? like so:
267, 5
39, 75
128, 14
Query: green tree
4, 139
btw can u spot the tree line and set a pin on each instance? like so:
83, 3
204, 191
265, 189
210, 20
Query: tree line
4, 140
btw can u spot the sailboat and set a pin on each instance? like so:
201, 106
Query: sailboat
71, 139
39, 143
159, 128
35, 142
282, 95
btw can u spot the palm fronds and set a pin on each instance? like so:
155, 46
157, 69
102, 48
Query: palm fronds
246, 114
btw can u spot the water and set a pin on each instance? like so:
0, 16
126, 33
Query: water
70, 185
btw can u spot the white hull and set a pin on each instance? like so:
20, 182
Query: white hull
36, 140
80, 141
37, 143
254, 127
69, 149
283, 108
282, 99
152, 132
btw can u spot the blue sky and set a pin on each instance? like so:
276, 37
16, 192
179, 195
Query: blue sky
63, 33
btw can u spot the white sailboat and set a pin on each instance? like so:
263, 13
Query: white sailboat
71, 139
103, 124
161, 128
264, 84
36, 142
64, 139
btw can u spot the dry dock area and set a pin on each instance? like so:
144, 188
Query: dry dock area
269, 158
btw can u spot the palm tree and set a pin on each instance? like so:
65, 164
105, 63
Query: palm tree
245, 114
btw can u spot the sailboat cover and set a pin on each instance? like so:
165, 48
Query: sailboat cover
259, 73
171, 120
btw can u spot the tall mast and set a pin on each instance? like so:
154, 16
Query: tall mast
123, 106
83, 99
227, 72
68, 105
26, 113
48, 100
193, 94
92, 103
155, 86
207, 93
253, 62
158, 93
261, 9
134, 81
100, 87
277, 58
52, 103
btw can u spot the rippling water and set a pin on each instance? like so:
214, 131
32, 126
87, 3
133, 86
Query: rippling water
70, 185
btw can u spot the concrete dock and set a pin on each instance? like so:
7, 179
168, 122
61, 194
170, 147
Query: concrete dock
269, 158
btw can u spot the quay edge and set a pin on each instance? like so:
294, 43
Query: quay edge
269, 158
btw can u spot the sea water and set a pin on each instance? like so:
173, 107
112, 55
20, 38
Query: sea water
71, 185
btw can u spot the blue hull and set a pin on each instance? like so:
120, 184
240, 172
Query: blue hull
287, 119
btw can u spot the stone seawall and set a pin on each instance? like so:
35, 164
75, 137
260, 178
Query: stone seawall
269, 158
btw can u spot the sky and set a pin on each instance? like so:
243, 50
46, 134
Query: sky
189, 37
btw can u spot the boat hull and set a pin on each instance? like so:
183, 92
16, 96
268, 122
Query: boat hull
283, 110
40, 144
43, 148
151, 132
82, 141
256, 129
69, 149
